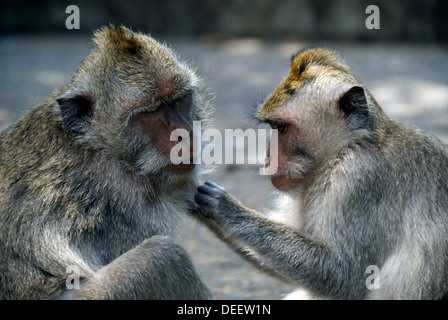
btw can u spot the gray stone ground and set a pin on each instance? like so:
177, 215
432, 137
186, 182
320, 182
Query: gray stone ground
409, 81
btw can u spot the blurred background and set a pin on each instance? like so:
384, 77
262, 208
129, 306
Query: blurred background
416, 20
242, 49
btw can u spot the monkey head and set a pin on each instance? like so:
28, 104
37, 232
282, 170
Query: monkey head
128, 96
318, 109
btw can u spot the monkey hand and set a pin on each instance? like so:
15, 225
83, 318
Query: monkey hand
216, 203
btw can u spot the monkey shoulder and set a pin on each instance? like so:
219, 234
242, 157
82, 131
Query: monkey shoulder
415, 150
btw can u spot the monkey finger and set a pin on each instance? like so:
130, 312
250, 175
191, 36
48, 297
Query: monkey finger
212, 185
205, 189
201, 200
204, 208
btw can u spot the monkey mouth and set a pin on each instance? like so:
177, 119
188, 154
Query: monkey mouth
284, 181
279, 176
181, 168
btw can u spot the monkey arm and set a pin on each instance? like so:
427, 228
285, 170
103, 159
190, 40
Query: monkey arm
294, 255
144, 272
237, 246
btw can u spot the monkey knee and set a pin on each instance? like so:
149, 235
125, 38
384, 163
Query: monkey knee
159, 240
165, 248
167, 259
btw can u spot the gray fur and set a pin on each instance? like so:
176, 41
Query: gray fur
376, 194
87, 198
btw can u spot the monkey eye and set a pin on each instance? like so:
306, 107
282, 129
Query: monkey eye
280, 125
151, 111
281, 128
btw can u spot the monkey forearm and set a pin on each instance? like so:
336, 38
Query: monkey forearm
242, 249
297, 257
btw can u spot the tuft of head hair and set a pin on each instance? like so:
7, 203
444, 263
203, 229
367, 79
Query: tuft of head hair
322, 57
305, 65
117, 39
139, 61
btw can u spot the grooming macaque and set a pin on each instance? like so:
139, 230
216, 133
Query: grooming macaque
360, 190
86, 181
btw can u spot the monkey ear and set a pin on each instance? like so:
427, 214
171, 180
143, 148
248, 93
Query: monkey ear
76, 110
354, 107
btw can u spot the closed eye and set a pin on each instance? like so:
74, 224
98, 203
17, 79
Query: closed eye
184, 103
149, 111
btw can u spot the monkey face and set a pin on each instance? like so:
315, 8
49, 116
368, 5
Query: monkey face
161, 126
293, 161
318, 109
129, 97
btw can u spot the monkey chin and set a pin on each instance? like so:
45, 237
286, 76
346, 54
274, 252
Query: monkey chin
182, 168
284, 182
